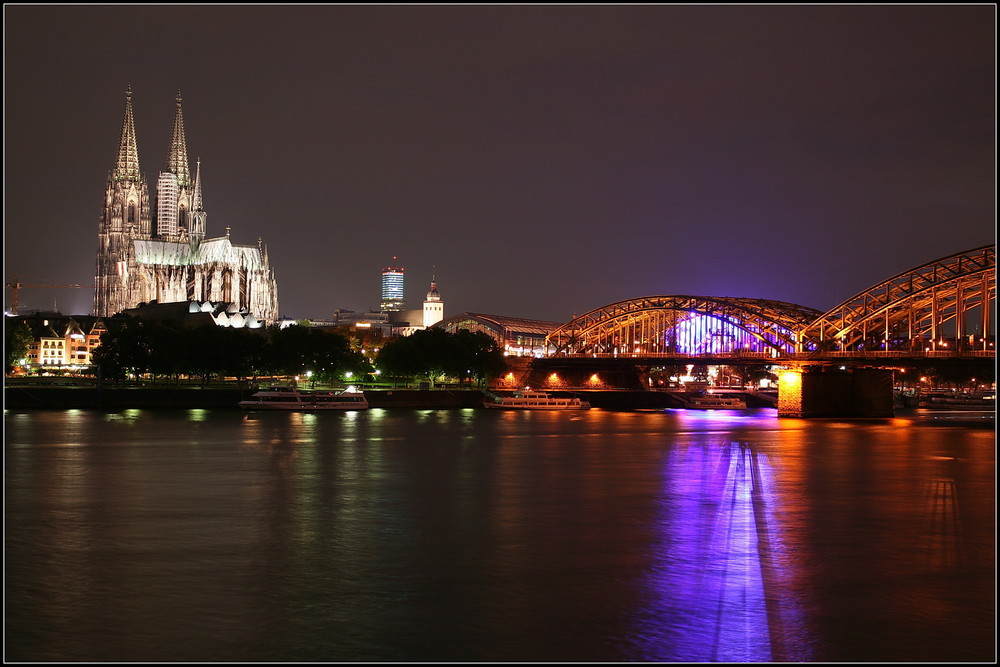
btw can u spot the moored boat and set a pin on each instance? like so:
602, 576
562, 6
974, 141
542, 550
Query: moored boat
305, 400
959, 401
535, 400
715, 402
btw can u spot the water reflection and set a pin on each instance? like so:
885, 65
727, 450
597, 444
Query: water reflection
128, 416
478, 535
719, 567
943, 529
722, 418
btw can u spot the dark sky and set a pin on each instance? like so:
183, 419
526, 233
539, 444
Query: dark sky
547, 160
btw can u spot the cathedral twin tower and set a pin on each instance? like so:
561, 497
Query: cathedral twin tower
162, 254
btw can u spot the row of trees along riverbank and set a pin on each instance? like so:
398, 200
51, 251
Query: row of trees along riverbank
325, 356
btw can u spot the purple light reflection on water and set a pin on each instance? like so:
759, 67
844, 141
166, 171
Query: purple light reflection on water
726, 420
716, 584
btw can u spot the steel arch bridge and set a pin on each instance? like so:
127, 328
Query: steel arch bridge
933, 305
654, 326
941, 308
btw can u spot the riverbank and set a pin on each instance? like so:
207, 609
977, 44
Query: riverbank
113, 398
28, 398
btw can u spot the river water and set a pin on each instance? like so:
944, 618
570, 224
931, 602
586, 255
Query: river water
479, 535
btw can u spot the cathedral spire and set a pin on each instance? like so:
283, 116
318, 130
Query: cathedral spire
197, 204
128, 153
177, 159
199, 218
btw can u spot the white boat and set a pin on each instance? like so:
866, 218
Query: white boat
716, 402
535, 400
305, 400
956, 401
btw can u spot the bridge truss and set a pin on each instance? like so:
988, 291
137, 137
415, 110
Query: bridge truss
944, 307
669, 325
946, 302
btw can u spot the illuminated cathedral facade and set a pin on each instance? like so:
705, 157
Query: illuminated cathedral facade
160, 250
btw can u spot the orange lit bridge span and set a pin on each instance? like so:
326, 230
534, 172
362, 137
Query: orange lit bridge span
939, 311
684, 326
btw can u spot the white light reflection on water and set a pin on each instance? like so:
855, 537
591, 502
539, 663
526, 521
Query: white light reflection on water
718, 572
130, 415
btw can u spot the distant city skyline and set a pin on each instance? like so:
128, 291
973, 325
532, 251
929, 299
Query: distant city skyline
545, 160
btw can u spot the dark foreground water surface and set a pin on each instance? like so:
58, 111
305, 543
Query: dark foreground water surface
478, 535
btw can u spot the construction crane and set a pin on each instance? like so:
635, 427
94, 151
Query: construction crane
16, 285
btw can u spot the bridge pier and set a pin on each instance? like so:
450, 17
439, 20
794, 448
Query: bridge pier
815, 391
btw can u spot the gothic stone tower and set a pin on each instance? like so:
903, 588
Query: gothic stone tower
126, 215
163, 254
178, 200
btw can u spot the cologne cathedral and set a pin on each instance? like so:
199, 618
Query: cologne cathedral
160, 251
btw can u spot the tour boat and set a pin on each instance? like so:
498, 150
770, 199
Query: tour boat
535, 400
958, 401
716, 402
305, 400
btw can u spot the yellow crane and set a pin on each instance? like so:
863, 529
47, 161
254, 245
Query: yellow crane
15, 285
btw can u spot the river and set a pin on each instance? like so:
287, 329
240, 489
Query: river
480, 536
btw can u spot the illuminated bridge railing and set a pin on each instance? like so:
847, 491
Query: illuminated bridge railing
897, 354
774, 356
771, 354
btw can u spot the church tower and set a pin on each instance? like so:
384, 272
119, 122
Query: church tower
174, 188
199, 218
126, 215
164, 255
433, 306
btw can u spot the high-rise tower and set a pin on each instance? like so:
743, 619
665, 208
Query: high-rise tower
176, 262
392, 289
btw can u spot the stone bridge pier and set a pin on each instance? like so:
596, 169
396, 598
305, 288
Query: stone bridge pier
824, 391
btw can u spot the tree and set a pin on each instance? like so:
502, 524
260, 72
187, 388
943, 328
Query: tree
123, 349
204, 349
167, 349
297, 350
423, 353
18, 341
433, 352
210, 349
481, 354
395, 359
247, 357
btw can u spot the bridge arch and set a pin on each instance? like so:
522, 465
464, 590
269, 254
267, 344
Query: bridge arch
680, 324
945, 300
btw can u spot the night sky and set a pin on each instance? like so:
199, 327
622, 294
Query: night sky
544, 161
